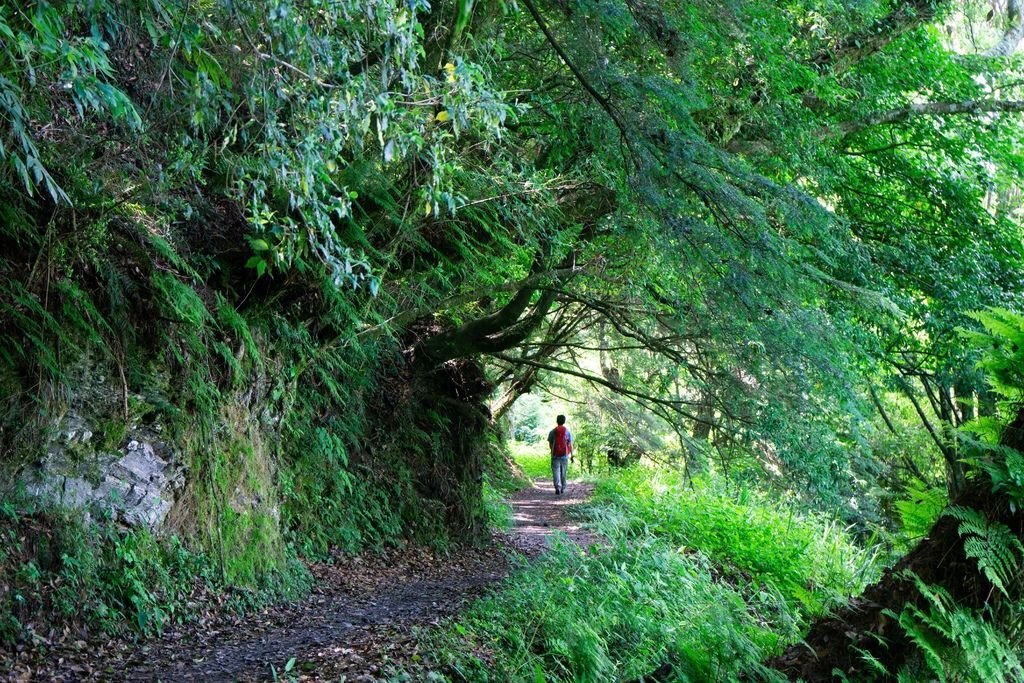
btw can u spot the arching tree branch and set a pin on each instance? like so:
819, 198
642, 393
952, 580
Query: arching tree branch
678, 406
1007, 45
910, 111
509, 326
601, 100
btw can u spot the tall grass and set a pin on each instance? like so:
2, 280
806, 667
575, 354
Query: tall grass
497, 509
696, 584
533, 459
748, 534
617, 614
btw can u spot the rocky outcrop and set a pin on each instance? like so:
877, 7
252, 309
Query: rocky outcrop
135, 484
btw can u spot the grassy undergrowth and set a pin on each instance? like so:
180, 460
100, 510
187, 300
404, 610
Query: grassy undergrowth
533, 459
698, 582
753, 537
57, 568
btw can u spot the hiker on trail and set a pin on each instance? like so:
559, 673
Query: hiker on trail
560, 440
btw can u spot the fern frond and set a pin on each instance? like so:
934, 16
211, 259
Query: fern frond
992, 544
874, 664
957, 643
920, 507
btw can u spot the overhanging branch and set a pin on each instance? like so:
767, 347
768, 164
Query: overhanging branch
910, 111
601, 100
676, 405
506, 327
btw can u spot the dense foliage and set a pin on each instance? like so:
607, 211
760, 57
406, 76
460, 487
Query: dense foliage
301, 243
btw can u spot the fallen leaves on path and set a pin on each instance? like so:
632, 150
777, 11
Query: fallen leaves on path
361, 620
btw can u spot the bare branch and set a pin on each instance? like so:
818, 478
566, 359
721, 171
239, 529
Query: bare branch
910, 111
601, 100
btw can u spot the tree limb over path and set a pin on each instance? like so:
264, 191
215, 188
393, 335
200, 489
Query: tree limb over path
676, 405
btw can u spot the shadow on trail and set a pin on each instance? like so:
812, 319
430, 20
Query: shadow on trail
538, 513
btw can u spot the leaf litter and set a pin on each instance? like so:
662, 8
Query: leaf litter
363, 621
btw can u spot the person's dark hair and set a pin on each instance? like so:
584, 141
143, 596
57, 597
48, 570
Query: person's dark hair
560, 419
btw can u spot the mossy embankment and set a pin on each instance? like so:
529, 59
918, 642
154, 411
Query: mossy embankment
278, 431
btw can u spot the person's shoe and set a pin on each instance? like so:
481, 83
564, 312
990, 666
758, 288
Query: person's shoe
557, 491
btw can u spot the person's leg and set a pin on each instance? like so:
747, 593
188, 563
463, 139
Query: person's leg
554, 472
560, 477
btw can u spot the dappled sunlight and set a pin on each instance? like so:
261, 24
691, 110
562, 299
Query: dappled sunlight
538, 513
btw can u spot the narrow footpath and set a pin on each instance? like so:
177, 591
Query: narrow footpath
538, 513
358, 623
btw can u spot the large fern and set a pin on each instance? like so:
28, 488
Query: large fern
956, 643
1004, 359
996, 548
1003, 362
920, 507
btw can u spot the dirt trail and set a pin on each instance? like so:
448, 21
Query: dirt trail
538, 512
357, 623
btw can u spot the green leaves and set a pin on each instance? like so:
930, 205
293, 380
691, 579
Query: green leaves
43, 64
813, 564
920, 507
956, 643
463, 13
640, 601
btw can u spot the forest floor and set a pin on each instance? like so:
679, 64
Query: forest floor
360, 623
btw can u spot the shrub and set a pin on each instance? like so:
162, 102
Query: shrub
615, 614
702, 583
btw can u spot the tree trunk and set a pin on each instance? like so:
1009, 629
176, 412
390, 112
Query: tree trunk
1014, 33
696, 462
519, 386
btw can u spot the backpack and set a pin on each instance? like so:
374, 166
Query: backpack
561, 441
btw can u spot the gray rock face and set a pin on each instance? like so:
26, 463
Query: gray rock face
136, 484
